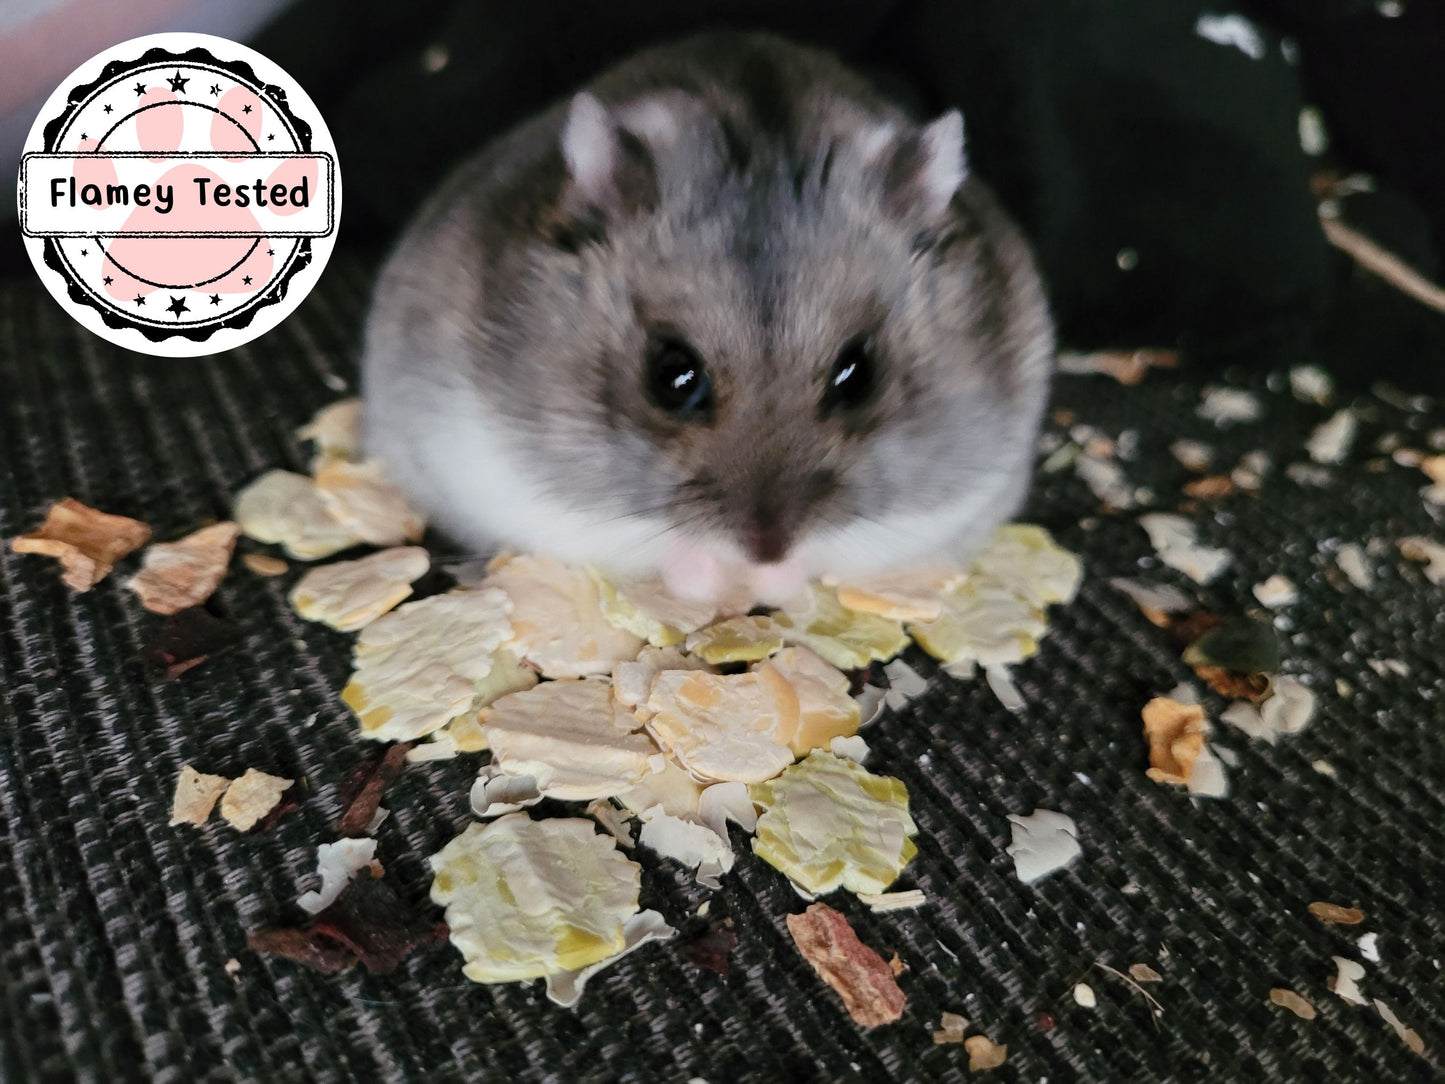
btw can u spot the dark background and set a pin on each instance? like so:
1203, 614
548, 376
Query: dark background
1104, 126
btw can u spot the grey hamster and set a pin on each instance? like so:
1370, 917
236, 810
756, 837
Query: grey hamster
728, 314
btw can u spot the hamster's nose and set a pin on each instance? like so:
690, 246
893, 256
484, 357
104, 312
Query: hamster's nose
765, 539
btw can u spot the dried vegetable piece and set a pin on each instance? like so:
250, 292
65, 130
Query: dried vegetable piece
1288, 999
848, 639
262, 565
571, 737
186, 639
825, 710
285, 508
910, 594
712, 950
336, 864
358, 496
724, 726
951, 1029
196, 795
828, 823
984, 1054
349, 595
1331, 440
495, 793
1227, 406
1419, 548
1043, 842
738, 639
251, 797
557, 620
672, 787
368, 924
1288, 710
361, 796
1176, 541
645, 609
86, 542
1026, 559
1144, 973
1409, 1036
422, 665
1175, 733
1128, 367
866, 983
526, 898
178, 575
336, 432
1333, 914
1276, 591
508, 675
1242, 645
565, 987
1345, 983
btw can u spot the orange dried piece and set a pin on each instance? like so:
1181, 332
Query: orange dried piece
1288, 999
175, 576
1175, 733
263, 565
984, 1054
863, 979
86, 542
1212, 488
1335, 915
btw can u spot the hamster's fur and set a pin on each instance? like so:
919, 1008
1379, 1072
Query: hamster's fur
760, 204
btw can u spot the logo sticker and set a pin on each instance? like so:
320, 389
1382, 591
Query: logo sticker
179, 194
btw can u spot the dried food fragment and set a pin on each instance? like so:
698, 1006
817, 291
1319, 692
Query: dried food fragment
1228, 406
303, 946
880, 903
336, 432
361, 795
1144, 973
1128, 367
1175, 733
1176, 541
826, 713
849, 639
646, 609
86, 542
251, 797
284, 507
336, 864
862, 978
188, 638
565, 987
1345, 982
1331, 441
1157, 601
1288, 999
349, 595
358, 496
1192, 455
1276, 591
1288, 710
1084, 995
1311, 384
909, 594
263, 565
526, 898
1043, 842
175, 576
828, 823
984, 1054
1106, 480
724, 726
423, 664
196, 795
738, 639
1236, 656
951, 1029
557, 619
572, 737
1418, 548
712, 950
495, 793
1409, 1036
1333, 914
1214, 487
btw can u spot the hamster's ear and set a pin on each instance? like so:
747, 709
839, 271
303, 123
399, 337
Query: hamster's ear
610, 167
926, 167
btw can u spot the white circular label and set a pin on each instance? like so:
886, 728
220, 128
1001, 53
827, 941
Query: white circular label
179, 194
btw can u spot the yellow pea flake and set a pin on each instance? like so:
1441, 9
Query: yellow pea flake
829, 823
1025, 558
348, 595
738, 639
336, 432
284, 508
825, 710
1175, 733
509, 675
645, 609
251, 797
525, 899
723, 727
358, 496
196, 795
914, 594
178, 575
557, 619
572, 737
848, 639
422, 665
86, 542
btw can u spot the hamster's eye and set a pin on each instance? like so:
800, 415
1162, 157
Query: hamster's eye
851, 383
678, 382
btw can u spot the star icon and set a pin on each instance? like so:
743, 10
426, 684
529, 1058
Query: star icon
85, 252
177, 83
247, 280
107, 280
177, 306
269, 252
215, 299
139, 300
215, 88
140, 89
245, 109
110, 109
83, 137
271, 137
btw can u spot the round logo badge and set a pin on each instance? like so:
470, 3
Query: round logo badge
179, 194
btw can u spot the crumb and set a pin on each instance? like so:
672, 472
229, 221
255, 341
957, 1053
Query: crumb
1175, 733
251, 797
1334, 915
865, 982
196, 795
262, 565
175, 576
86, 542
1288, 999
983, 1054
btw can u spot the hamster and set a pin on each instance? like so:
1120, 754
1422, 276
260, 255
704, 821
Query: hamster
728, 315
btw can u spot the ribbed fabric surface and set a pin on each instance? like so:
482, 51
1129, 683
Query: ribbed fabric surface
115, 929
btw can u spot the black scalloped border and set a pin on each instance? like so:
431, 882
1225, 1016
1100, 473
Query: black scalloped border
243, 72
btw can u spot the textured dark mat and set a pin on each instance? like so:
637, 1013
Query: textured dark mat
115, 929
